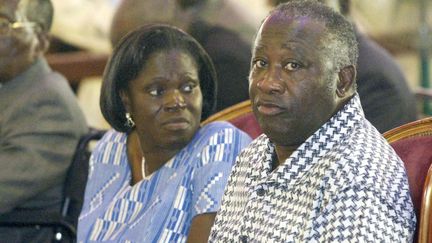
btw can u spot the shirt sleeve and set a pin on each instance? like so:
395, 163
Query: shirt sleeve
360, 215
215, 163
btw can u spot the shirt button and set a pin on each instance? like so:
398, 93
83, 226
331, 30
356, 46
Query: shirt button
243, 238
260, 192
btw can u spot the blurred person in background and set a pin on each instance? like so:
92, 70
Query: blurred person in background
40, 120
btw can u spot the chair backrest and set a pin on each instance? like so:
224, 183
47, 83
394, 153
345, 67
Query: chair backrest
425, 230
413, 143
76, 178
240, 115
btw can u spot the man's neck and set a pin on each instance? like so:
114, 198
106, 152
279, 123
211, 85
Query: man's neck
283, 153
14, 70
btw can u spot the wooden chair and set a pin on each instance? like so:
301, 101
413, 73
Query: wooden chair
77, 65
240, 115
425, 231
413, 143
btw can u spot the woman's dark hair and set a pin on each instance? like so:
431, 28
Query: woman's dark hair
129, 58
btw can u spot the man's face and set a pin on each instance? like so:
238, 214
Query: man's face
292, 85
19, 45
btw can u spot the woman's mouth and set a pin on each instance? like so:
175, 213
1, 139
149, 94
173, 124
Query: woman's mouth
176, 124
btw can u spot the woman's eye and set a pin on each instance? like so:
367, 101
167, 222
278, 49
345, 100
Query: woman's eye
292, 66
155, 92
187, 88
260, 63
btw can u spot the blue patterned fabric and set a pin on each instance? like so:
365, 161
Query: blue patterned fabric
160, 208
343, 184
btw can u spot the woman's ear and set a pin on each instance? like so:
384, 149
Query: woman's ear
125, 99
346, 81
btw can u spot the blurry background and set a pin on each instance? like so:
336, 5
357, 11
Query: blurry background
403, 27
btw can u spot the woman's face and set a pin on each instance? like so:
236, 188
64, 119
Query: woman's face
165, 100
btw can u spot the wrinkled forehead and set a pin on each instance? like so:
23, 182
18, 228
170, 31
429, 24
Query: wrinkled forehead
291, 28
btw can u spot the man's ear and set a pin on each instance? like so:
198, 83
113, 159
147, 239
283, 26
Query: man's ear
44, 41
125, 99
346, 81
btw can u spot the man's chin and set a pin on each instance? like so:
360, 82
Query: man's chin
273, 131
281, 133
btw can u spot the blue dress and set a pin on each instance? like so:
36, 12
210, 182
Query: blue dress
159, 208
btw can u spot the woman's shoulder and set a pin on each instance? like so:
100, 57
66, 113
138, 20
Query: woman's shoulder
113, 136
109, 147
220, 132
218, 126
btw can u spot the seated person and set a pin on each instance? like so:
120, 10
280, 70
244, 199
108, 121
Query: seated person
386, 99
40, 120
158, 176
320, 172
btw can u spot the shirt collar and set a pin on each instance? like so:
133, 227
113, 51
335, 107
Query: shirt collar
333, 132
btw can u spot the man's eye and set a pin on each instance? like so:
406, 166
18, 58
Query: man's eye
292, 66
260, 63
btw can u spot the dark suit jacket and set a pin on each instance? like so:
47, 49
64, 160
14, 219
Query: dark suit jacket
231, 57
385, 96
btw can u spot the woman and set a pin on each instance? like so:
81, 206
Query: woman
159, 176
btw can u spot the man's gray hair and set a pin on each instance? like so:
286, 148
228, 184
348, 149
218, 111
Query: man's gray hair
340, 43
39, 11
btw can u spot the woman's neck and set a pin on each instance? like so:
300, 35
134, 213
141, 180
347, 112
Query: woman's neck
154, 159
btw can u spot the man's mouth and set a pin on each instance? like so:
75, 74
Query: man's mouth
268, 108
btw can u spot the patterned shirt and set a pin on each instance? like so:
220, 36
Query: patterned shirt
343, 184
159, 208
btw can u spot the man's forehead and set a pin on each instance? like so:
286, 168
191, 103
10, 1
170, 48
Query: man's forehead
298, 21
9, 9
298, 27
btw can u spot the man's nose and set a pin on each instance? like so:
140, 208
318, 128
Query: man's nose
272, 82
174, 101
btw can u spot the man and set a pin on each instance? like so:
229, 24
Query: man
386, 99
320, 172
40, 121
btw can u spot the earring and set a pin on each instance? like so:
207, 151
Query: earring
129, 122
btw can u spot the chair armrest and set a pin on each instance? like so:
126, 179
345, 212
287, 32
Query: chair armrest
26, 218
